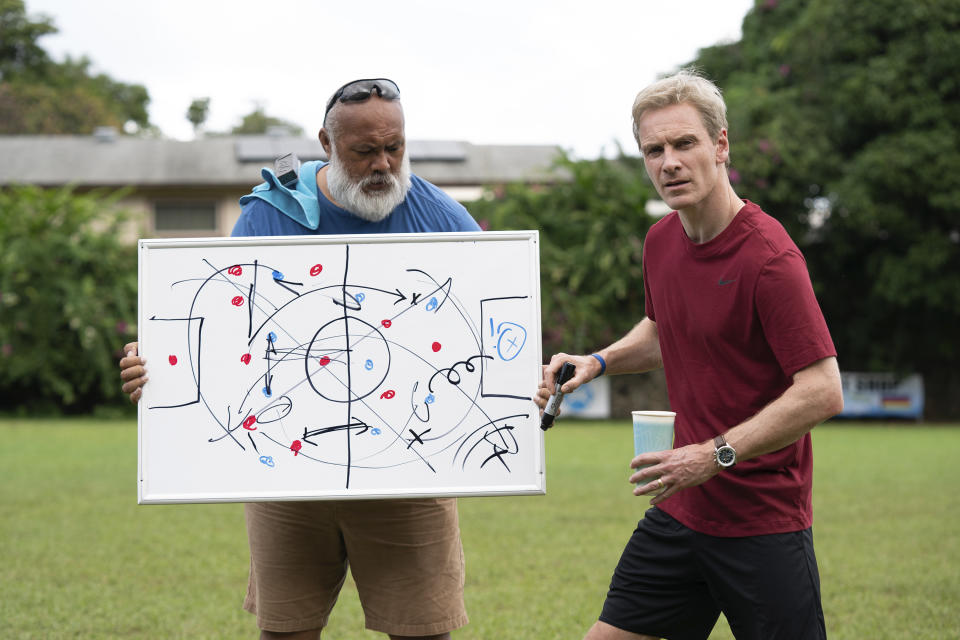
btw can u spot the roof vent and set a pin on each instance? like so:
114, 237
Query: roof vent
105, 134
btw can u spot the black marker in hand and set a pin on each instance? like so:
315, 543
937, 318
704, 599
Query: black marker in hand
553, 404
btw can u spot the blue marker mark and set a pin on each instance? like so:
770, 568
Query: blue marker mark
359, 297
375, 431
272, 337
267, 460
429, 399
491, 328
511, 340
267, 392
277, 275
368, 365
432, 304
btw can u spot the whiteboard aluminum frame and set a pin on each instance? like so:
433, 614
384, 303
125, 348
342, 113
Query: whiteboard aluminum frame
144, 246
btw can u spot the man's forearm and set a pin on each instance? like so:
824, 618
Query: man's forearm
815, 395
636, 352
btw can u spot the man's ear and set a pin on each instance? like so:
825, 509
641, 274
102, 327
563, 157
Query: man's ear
325, 141
723, 147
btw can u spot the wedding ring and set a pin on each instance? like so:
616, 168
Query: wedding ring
660, 484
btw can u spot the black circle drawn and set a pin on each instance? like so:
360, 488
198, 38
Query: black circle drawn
351, 393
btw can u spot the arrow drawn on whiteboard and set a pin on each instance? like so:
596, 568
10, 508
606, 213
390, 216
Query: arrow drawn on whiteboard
356, 425
396, 293
268, 377
445, 287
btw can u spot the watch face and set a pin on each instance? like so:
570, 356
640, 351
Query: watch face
726, 456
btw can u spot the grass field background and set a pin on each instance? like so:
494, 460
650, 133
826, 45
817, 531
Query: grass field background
80, 559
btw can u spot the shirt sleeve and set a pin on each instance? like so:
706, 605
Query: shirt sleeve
260, 218
464, 221
250, 222
790, 314
647, 297
242, 227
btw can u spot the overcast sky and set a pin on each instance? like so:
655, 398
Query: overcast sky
490, 72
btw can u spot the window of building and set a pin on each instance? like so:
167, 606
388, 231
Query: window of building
178, 217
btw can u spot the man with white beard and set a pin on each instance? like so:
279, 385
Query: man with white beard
366, 187
405, 555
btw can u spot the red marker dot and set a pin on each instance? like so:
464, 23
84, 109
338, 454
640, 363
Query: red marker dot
237, 301
436, 347
245, 358
324, 361
296, 446
388, 394
316, 269
172, 359
386, 323
248, 423
235, 270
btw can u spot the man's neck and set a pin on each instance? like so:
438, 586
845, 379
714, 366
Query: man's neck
322, 184
708, 218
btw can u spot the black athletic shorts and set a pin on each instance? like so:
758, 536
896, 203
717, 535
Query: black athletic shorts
672, 582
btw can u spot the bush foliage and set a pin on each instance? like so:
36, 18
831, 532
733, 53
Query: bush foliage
68, 299
592, 228
845, 125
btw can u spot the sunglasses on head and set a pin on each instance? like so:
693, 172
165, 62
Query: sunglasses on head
360, 90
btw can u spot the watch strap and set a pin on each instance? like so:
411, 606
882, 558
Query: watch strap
720, 445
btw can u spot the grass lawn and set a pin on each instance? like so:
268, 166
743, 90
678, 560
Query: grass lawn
80, 559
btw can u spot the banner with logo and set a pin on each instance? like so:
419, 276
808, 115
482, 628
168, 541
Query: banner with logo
591, 400
882, 395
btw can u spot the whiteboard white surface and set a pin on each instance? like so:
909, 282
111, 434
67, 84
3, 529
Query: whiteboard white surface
322, 367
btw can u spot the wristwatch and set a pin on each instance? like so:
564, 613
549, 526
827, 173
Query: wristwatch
724, 454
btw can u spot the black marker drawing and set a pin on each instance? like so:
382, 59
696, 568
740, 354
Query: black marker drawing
351, 379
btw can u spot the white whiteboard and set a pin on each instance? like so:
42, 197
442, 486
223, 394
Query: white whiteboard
321, 367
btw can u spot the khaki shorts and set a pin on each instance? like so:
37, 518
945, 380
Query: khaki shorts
405, 556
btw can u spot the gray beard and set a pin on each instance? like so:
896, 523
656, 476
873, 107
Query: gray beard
351, 196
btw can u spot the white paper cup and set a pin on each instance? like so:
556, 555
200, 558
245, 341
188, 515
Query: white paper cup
652, 431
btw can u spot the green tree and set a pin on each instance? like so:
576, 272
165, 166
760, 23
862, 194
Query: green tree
41, 96
68, 289
19, 52
126, 102
591, 227
845, 125
258, 122
197, 113
40, 109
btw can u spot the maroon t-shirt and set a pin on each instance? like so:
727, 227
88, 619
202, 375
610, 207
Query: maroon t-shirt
736, 317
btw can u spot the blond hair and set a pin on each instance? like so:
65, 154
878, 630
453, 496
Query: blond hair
687, 86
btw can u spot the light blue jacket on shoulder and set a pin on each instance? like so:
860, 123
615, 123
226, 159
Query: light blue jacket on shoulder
299, 203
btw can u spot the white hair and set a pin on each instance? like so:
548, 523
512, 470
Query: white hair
351, 195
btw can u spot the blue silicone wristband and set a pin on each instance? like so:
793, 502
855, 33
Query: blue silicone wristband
603, 363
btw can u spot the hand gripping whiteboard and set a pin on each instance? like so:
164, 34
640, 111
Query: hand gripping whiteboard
321, 367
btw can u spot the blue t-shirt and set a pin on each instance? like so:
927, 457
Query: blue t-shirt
426, 209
